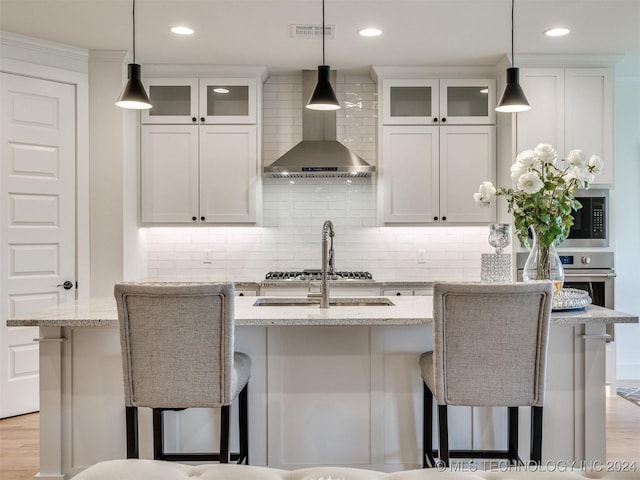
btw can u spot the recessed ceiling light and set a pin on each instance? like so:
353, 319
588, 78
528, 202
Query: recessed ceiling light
370, 32
182, 30
556, 32
221, 90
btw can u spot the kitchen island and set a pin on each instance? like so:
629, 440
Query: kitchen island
337, 386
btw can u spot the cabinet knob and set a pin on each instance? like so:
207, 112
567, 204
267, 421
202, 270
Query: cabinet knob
444, 120
194, 218
398, 294
202, 219
435, 218
202, 119
241, 294
435, 119
194, 119
444, 219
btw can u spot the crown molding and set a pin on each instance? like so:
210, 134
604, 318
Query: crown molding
164, 70
33, 50
566, 60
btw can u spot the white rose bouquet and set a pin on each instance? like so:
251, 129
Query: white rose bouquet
544, 194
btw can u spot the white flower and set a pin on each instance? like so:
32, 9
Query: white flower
529, 183
576, 158
546, 153
524, 161
596, 165
485, 194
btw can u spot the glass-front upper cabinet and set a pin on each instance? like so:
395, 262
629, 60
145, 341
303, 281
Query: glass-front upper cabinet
228, 100
410, 102
201, 101
467, 101
439, 102
174, 100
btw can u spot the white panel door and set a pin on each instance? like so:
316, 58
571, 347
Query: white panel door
38, 230
228, 173
410, 174
467, 158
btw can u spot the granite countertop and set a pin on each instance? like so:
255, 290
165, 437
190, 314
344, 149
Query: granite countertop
408, 310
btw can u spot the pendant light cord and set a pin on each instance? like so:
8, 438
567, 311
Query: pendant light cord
133, 16
323, 32
513, 60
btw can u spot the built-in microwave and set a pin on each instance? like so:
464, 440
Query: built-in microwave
591, 222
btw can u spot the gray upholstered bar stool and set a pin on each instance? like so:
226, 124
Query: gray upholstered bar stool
178, 352
489, 349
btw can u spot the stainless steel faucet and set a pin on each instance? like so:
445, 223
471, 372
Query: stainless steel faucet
328, 264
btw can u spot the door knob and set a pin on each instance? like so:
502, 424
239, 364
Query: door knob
66, 285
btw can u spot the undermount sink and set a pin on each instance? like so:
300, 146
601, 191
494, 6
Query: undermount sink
336, 302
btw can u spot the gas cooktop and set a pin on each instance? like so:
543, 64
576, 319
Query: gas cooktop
312, 274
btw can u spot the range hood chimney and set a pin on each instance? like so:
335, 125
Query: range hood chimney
319, 154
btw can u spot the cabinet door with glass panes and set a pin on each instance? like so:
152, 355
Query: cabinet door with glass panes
228, 100
439, 102
410, 101
174, 100
467, 101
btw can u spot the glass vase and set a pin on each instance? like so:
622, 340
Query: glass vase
543, 263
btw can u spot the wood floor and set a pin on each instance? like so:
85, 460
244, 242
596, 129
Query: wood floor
19, 438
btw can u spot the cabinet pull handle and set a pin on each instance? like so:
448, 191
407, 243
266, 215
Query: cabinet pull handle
435, 218
444, 120
596, 336
444, 219
194, 218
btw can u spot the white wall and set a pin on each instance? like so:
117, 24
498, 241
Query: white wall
293, 212
627, 212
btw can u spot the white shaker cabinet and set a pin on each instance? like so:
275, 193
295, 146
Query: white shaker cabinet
169, 180
432, 101
429, 174
199, 150
572, 108
194, 174
228, 173
201, 101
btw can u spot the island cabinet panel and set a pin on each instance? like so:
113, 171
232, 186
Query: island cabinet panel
319, 395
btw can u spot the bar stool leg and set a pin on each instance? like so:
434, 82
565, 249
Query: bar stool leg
224, 434
536, 435
427, 427
443, 437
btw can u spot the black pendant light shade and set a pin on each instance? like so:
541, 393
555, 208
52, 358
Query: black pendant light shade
323, 96
133, 95
513, 98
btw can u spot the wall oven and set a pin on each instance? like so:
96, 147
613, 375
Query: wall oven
590, 223
592, 271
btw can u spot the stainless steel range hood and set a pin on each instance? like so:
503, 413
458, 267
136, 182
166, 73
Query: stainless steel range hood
319, 154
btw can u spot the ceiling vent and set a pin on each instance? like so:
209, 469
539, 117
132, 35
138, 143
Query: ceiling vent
312, 31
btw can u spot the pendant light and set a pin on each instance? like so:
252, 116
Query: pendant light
323, 96
133, 95
513, 98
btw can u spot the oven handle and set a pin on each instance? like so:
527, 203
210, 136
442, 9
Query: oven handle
582, 275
